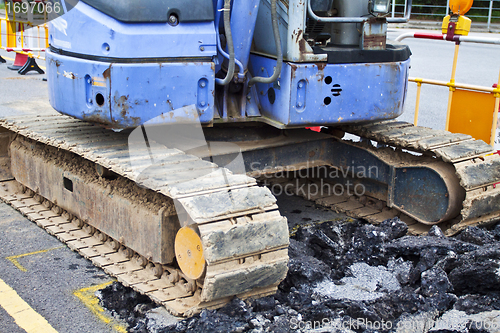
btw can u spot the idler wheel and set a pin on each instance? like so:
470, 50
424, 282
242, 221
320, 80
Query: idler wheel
189, 252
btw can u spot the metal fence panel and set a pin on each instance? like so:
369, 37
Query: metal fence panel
490, 12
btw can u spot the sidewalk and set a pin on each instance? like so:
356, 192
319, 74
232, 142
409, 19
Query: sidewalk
436, 25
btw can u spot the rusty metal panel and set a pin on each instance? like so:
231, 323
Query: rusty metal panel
374, 34
323, 94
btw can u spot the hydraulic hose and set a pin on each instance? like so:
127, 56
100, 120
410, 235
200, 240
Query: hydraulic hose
279, 52
230, 46
219, 46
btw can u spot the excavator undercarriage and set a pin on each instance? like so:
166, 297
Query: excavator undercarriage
80, 183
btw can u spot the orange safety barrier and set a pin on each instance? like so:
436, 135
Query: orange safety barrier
497, 136
471, 109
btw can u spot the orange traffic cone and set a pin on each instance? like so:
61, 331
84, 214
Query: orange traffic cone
18, 62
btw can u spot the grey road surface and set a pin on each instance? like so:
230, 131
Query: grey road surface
51, 277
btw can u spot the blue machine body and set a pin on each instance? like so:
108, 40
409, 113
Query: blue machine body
319, 94
132, 75
124, 74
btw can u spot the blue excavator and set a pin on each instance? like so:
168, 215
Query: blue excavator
173, 113
288, 64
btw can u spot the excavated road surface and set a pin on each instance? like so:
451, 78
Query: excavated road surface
350, 276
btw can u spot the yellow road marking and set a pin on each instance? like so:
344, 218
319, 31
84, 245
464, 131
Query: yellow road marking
13, 259
86, 295
24, 316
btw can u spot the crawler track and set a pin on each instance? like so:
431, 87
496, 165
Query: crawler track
222, 206
475, 165
173, 290
225, 208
